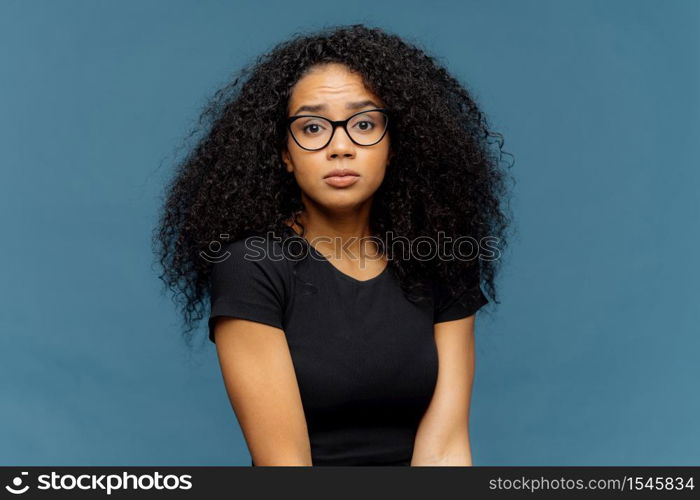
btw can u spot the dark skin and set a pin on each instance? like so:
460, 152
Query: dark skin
336, 216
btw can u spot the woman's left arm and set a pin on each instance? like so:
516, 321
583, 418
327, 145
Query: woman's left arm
443, 434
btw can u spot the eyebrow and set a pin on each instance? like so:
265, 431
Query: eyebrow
314, 108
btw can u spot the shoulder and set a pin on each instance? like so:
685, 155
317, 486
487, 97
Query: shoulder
449, 305
249, 280
253, 254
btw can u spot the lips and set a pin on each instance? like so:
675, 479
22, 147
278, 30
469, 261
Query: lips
341, 172
341, 181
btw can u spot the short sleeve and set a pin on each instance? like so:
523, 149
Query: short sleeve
246, 284
449, 308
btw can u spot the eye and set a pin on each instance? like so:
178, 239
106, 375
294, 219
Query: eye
364, 126
312, 128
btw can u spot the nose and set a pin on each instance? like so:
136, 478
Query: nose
340, 145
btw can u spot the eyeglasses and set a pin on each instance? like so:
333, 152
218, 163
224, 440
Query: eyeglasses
365, 128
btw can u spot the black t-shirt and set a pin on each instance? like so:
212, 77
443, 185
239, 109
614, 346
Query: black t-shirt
364, 355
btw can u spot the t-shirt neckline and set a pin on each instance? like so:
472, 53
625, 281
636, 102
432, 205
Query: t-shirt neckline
338, 272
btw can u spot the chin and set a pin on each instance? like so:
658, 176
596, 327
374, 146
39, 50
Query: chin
343, 201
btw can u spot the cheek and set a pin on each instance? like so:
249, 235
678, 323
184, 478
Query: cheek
377, 175
307, 175
378, 170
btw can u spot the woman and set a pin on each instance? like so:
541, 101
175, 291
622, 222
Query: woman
337, 346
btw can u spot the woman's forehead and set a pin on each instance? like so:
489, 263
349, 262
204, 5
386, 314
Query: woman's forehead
331, 89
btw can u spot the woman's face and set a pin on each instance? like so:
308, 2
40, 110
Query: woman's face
332, 87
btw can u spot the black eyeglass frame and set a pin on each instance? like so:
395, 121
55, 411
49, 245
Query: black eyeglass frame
339, 123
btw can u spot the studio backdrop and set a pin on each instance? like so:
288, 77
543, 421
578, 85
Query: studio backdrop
590, 358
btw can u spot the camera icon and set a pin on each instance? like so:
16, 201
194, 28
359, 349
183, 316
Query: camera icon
17, 483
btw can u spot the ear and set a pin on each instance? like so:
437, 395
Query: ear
287, 161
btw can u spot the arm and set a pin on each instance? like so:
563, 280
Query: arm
443, 434
261, 383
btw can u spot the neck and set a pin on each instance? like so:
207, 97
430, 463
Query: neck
337, 231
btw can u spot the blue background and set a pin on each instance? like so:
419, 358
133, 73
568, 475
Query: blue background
592, 358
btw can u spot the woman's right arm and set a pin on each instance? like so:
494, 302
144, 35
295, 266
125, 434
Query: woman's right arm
261, 383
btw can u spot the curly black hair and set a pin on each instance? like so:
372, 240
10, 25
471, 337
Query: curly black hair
446, 175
